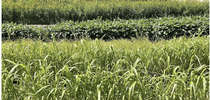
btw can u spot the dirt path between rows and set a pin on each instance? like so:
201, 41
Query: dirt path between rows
42, 26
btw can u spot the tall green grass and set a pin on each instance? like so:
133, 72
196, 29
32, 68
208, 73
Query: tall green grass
54, 11
99, 70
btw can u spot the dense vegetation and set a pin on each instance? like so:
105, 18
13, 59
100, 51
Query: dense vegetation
54, 11
165, 28
88, 70
69, 60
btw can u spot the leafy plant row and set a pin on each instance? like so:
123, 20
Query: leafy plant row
54, 11
164, 28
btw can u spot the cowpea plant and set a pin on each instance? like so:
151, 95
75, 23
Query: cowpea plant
154, 29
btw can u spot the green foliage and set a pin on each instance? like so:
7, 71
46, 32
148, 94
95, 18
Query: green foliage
175, 69
154, 29
54, 11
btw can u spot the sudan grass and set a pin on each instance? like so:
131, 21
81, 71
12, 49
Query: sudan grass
54, 11
118, 69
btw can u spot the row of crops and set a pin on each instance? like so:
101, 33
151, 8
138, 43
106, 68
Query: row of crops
105, 50
96, 70
54, 11
161, 28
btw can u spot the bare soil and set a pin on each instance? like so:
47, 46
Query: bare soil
42, 26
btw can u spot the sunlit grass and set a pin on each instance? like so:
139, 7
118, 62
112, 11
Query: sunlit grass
119, 69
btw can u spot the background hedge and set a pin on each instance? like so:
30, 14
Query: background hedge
54, 11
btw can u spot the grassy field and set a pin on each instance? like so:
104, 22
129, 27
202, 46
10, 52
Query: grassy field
154, 50
134, 69
54, 11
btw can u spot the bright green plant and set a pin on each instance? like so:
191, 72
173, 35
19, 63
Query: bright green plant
138, 69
